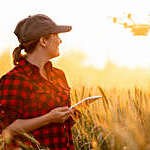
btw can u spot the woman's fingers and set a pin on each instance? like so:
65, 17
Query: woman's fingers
7, 136
66, 111
75, 113
59, 114
66, 116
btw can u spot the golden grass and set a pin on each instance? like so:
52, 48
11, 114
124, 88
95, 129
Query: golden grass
122, 121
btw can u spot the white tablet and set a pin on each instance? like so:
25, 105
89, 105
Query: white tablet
87, 100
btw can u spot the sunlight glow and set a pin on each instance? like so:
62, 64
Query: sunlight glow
94, 33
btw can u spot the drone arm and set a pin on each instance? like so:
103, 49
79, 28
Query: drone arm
125, 25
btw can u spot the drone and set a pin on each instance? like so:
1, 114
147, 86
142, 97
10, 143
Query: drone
136, 29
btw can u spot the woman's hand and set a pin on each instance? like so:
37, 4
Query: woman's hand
59, 115
7, 136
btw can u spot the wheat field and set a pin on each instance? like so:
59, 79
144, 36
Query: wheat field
119, 121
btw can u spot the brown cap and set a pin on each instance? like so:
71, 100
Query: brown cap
36, 26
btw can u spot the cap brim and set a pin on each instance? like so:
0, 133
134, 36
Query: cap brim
62, 29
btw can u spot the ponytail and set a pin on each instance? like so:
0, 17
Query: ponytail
29, 47
17, 54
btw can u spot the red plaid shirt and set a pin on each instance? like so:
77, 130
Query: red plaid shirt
25, 94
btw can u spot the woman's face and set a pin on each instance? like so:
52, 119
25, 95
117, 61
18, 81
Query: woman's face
52, 46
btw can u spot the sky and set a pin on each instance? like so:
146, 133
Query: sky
93, 31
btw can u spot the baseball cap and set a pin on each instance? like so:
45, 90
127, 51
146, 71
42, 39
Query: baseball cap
36, 26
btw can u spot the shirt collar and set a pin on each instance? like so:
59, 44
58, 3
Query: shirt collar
29, 68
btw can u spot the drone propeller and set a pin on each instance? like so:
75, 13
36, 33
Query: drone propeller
129, 16
114, 20
125, 25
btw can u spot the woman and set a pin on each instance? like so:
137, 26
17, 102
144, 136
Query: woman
34, 95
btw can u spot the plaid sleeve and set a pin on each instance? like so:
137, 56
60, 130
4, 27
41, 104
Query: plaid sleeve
13, 91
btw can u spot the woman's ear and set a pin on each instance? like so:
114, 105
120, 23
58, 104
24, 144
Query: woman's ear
43, 42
